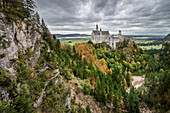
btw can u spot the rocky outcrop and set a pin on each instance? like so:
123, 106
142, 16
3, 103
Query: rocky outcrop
15, 37
4, 96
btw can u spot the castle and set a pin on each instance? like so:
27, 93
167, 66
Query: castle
104, 36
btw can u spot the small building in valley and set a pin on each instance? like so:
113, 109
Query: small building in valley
99, 36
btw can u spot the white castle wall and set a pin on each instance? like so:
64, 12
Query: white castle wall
105, 38
110, 40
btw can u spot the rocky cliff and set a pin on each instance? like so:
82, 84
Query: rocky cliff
16, 37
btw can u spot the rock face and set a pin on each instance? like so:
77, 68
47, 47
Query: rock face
15, 37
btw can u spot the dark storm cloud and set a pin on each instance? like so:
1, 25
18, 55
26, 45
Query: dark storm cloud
81, 16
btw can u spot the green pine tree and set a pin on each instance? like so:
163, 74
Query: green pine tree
38, 18
88, 108
133, 101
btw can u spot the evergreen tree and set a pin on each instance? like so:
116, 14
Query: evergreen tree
128, 78
4, 2
7, 3
38, 18
98, 81
0, 5
58, 44
45, 30
43, 23
51, 44
54, 37
85, 62
30, 4
88, 108
165, 55
133, 101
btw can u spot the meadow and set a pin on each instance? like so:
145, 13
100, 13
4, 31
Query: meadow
151, 47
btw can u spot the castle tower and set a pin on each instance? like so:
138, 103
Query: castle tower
97, 27
120, 35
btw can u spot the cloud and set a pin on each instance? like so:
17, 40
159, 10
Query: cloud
130, 16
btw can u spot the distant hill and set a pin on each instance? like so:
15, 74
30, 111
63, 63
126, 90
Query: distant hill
168, 36
70, 35
143, 36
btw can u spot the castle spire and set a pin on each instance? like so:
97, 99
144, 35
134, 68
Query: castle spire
97, 27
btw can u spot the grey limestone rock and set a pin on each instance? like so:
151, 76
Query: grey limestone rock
18, 36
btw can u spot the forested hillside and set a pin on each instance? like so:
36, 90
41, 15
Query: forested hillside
42, 75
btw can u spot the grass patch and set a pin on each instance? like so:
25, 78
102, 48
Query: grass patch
151, 47
149, 44
144, 41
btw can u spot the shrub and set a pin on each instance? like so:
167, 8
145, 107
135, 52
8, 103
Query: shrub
10, 18
76, 84
2, 55
4, 80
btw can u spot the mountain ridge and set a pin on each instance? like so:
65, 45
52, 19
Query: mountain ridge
167, 37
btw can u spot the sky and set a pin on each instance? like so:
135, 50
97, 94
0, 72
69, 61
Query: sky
132, 17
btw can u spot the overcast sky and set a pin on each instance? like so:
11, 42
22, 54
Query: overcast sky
130, 16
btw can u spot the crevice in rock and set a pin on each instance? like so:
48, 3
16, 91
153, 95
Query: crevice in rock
15, 39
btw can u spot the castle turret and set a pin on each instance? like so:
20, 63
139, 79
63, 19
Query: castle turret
120, 35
